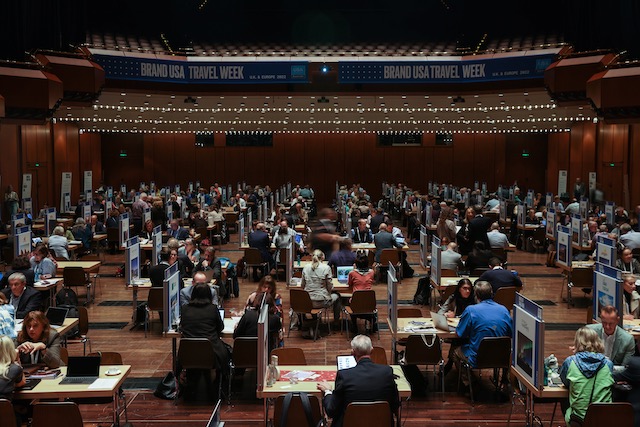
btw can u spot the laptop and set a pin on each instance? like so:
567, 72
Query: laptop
343, 273
56, 316
82, 370
345, 362
214, 420
440, 322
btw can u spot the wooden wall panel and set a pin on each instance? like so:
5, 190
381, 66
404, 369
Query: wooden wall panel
483, 162
126, 170
464, 158
234, 156
443, 164
10, 164
527, 171
254, 164
37, 148
634, 166
336, 166
183, 161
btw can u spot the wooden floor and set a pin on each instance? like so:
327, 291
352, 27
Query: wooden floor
150, 357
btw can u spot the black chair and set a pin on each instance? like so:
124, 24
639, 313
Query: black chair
198, 354
7, 416
56, 414
602, 414
426, 350
368, 414
154, 303
77, 277
493, 353
296, 415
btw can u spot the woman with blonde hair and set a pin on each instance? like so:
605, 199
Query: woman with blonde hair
316, 279
11, 375
588, 374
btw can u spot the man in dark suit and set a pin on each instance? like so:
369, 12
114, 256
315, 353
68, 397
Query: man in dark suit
366, 382
208, 261
478, 228
499, 277
156, 273
23, 298
176, 231
259, 239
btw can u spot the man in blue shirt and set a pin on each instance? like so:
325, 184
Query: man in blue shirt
484, 319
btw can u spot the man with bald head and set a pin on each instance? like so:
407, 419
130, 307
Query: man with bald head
383, 239
199, 277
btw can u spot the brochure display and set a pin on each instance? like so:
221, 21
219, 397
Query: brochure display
607, 289
436, 261
123, 229
527, 352
22, 240
563, 247
171, 300
132, 261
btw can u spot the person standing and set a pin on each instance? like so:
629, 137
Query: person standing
11, 201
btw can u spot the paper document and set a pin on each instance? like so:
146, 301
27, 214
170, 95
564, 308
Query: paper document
103, 384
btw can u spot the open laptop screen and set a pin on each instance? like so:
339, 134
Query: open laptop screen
343, 273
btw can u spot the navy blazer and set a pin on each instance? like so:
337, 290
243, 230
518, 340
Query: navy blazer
366, 382
31, 300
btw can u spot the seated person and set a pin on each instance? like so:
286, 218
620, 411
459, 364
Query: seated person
361, 233
248, 324
496, 238
209, 261
267, 284
487, 318
460, 299
58, 243
630, 376
38, 342
199, 277
498, 277
200, 318
316, 279
588, 374
627, 263
190, 250
147, 230
451, 259
24, 298
185, 266
97, 227
631, 298
383, 239
82, 232
361, 278
176, 231
11, 375
7, 319
156, 272
344, 256
478, 257
366, 382
19, 264
619, 344
43, 267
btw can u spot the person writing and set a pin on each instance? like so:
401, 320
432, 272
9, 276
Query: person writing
366, 382
38, 342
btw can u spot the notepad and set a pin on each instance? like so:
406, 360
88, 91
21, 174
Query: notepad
103, 384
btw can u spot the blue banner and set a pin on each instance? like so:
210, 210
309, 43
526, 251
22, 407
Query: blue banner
460, 71
202, 72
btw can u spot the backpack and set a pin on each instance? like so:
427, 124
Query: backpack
67, 297
423, 292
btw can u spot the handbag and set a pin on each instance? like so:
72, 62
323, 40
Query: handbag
167, 388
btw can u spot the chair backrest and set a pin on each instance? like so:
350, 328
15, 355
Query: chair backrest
494, 352
423, 351
500, 253
300, 300
371, 257
289, 355
155, 299
379, 355
196, 353
245, 352
252, 256
74, 276
409, 312
108, 357
91, 257
7, 416
231, 218
389, 256
477, 272
448, 291
368, 413
56, 414
83, 320
447, 272
363, 301
601, 414
295, 415
64, 356
506, 296
113, 234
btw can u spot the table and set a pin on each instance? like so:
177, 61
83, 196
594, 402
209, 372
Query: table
423, 325
633, 327
542, 394
452, 281
88, 266
575, 265
337, 286
108, 387
283, 386
4, 236
372, 247
49, 285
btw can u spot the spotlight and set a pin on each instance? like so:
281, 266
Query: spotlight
190, 100
322, 100
458, 99
324, 68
